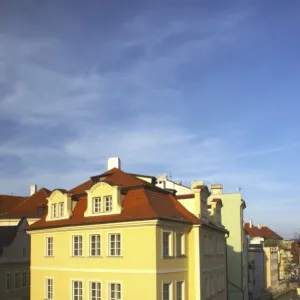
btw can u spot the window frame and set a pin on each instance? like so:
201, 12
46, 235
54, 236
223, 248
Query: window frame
182, 290
170, 243
90, 245
109, 245
90, 289
100, 206
24, 279
107, 199
61, 209
110, 283
54, 210
79, 243
9, 280
72, 289
46, 289
169, 283
17, 281
47, 246
182, 244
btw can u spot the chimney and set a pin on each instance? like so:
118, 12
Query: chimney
114, 162
250, 223
260, 226
216, 189
196, 183
33, 189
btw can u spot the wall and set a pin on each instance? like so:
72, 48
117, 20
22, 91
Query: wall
232, 219
141, 260
12, 260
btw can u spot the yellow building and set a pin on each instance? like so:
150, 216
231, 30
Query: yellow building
119, 237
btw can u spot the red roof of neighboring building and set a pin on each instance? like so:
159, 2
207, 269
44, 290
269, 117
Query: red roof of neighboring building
29, 206
264, 232
269, 233
253, 231
8, 202
142, 201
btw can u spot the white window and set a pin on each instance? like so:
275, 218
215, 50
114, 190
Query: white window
166, 243
17, 280
115, 291
115, 244
97, 205
24, 279
77, 290
61, 209
49, 289
95, 291
54, 211
49, 246
77, 245
167, 291
179, 290
179, 244
9, 281
108, 203
95, 245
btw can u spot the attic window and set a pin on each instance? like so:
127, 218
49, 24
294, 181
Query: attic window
97, 205
54, 210
108, 203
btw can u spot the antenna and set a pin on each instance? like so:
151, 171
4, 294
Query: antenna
239, 189
170, 174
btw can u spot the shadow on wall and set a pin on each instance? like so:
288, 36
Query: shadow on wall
234, 274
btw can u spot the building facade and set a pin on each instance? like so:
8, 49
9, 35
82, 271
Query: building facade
118, 237
237, 242
14, 262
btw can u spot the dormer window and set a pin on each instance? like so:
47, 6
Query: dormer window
108, 203
61, 209
54, 210
97, 205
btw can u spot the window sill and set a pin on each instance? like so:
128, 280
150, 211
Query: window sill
114, 256
78, 256
94, 256
181, 256
168, 257
49, 256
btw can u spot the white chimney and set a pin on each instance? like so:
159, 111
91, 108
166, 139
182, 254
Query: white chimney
250, 223
260, 226
216, 189
33, 189
114, 162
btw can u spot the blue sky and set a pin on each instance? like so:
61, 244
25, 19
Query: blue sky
206, 89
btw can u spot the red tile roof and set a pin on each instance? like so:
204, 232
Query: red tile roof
8, 202
253, 231
270, 234
264, 232
29, 206
142, 201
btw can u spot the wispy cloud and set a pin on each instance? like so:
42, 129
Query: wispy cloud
79, 87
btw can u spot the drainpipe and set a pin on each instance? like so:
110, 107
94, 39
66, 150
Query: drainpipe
226, 237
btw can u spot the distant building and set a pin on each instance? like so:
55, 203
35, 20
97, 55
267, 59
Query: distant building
265, 238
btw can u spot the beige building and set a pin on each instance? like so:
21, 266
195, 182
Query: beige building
14, 262
271, 268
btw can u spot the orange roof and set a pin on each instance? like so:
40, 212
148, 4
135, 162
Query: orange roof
8, 202
270, 234
29, 206
253, 231
142, 201
264, 232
